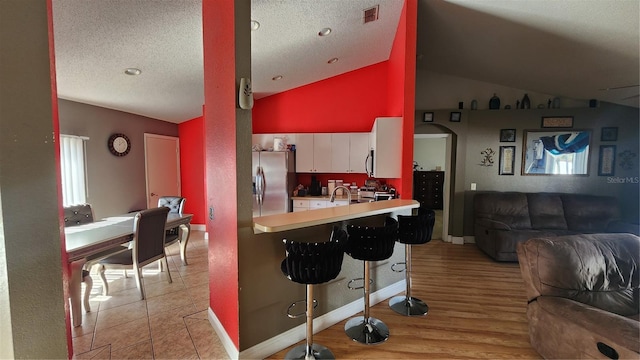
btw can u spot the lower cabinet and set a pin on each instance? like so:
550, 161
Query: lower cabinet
312, 204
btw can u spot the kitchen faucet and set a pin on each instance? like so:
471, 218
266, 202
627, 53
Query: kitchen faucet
333, 193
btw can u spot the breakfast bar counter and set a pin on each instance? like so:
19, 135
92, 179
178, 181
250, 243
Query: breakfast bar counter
266, 293
298, 220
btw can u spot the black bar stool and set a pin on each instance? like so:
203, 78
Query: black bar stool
312, 263
412, 230
369, 244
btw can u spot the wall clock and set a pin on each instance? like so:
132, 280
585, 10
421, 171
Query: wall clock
119, 144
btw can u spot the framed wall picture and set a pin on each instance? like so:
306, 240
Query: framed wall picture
507, 160
455, 116
427, 117
607, 160
556, 152
557, 122
507, 135
609, 134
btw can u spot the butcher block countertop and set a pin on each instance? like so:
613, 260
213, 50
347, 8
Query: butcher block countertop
302, 219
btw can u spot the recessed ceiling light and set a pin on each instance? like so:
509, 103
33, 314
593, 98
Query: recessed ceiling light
324, 32
255, 25
334, 60
132, 71
276, 78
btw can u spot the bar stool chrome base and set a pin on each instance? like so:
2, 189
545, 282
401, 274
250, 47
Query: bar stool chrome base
317, 351
371, 332
408, 306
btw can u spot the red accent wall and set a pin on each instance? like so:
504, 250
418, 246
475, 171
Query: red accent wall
55, 119
218, 19
402, 82
344, 103
192, 166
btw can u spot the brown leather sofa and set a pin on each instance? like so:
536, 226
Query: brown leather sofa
504, 219
583, 295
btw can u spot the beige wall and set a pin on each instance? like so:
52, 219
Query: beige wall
480, 129
116, 185
32, 301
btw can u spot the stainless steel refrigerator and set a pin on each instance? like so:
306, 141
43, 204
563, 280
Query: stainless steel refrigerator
273, 181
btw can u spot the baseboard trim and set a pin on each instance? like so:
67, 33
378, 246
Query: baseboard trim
228, 344
457, 240
198, 227
469, 239
294, 335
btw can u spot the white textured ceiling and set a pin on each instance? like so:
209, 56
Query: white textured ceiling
565, 47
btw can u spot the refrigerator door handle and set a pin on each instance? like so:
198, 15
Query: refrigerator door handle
263, 185
259, 184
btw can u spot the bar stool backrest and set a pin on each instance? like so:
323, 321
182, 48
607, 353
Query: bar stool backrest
416, 229
314, 263
372, 243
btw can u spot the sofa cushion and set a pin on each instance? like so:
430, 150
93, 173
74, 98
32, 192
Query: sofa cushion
600, 270
589, 213
510, 208
546, 211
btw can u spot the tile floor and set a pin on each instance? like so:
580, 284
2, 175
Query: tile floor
171, 323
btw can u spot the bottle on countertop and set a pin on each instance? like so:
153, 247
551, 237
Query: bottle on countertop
331, 185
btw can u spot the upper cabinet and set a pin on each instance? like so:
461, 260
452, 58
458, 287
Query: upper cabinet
313, 153
349, 152
386, 143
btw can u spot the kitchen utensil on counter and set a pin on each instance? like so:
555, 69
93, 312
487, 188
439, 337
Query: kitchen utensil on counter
331, 185
315, 189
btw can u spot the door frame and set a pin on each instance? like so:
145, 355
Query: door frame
446, 186
146, 167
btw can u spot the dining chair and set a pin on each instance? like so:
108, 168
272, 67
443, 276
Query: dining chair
174, 235
147, 247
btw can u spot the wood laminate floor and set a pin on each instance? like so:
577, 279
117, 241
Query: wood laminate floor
477, 310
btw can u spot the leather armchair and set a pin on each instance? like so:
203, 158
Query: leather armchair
583, 295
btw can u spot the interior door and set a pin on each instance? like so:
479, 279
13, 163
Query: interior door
162, 167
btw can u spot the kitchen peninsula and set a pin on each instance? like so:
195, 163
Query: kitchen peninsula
298, 220
336, 301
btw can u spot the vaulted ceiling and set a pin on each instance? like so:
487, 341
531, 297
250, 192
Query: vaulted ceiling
576, 49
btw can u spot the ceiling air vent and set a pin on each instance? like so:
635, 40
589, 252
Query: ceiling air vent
371, 14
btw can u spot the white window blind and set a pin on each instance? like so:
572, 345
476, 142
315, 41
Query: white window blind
72, 164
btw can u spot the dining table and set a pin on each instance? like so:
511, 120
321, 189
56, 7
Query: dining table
86, 242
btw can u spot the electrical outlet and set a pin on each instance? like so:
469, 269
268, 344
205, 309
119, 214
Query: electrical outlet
473, 186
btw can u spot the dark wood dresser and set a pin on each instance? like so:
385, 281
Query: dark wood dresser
427, 188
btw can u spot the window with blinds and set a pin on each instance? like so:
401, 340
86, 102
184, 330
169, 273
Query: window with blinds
73, 169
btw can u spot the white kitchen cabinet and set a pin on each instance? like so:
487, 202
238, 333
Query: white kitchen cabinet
317, 204
358, 151
300, 205
340, 152
386, 143
313, 153
349, 152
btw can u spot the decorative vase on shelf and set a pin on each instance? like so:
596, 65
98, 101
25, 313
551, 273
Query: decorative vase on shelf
556, 103
494, 102
526, 103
